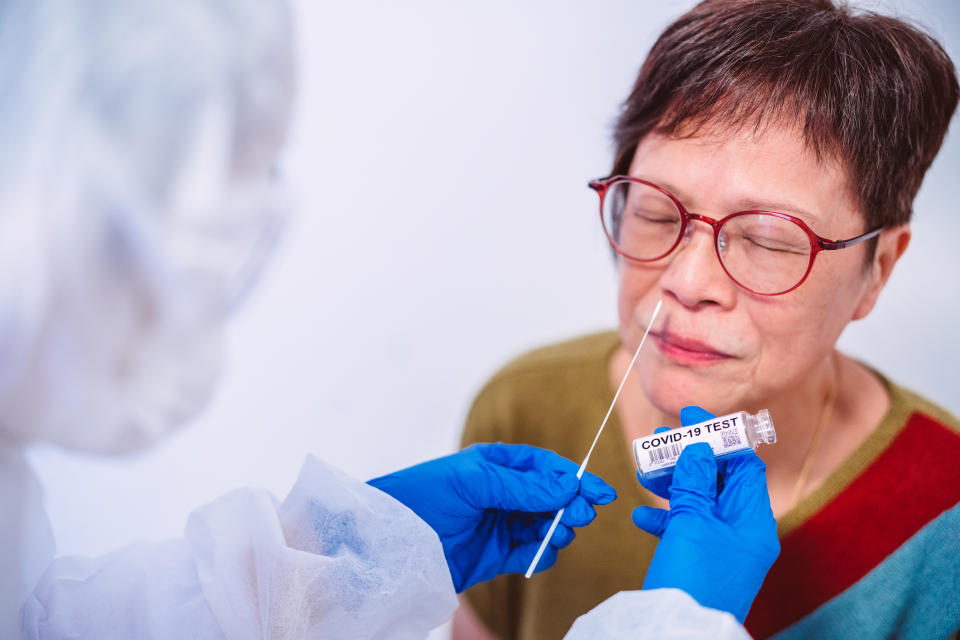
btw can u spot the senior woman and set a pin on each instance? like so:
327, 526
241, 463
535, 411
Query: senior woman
766, 163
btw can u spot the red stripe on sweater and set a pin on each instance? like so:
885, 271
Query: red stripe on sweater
912, 482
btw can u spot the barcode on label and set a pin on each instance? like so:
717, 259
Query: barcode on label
730, 438
667, 452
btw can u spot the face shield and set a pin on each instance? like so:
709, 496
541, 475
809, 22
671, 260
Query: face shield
139, 198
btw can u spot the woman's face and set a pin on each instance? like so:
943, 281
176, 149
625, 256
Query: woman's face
714, 343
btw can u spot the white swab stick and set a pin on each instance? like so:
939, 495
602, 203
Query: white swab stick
583, 465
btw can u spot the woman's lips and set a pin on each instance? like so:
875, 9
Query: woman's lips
687, 350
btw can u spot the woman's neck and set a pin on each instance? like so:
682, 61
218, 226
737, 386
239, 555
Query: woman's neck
799, 414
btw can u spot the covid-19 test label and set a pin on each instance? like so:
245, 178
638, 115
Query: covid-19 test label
727, 435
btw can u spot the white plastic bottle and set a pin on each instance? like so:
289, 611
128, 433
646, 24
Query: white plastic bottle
730, 435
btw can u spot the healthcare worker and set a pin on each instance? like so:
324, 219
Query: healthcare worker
138, 200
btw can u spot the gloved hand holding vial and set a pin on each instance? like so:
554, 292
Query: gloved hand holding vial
730, 435
715, 545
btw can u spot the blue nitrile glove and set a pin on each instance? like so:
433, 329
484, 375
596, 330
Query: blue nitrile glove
491, 505
716, 547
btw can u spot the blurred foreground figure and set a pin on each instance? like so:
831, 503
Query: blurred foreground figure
137, 144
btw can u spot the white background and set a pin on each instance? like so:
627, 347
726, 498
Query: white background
439, 159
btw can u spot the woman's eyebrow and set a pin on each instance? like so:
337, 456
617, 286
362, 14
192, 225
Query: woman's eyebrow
746, 203
674, 190
779, 207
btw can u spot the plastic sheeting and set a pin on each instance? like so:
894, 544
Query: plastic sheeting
337, 559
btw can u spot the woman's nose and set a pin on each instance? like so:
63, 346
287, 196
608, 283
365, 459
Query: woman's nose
695, 277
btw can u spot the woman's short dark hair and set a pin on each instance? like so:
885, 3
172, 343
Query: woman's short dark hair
871, 91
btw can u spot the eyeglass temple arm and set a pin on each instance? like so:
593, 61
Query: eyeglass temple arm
830, 245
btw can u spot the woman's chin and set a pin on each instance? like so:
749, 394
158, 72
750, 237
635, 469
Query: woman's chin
670, 390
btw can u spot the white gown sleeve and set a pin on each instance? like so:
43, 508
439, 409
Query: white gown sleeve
657, 613
337, 559
26, 537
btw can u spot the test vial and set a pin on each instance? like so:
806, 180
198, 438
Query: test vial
730, 435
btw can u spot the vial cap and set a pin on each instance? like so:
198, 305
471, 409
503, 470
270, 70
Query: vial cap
765, 427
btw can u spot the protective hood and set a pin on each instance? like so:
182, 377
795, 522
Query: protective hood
138, 200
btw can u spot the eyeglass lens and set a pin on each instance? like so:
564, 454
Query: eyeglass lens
764, 253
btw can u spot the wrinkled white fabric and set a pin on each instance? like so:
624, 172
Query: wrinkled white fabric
138, 197
144, 590
664, 614
337, 559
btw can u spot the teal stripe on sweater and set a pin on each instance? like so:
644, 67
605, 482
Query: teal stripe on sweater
913, 594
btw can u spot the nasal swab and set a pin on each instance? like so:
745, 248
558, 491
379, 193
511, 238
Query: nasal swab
583, 465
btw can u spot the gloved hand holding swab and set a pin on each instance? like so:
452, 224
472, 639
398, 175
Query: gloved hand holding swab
583, 465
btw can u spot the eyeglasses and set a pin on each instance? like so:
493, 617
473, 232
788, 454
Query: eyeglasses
765, 252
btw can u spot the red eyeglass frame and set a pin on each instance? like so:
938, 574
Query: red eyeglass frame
817, 243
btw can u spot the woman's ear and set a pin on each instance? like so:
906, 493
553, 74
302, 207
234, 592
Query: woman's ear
891, 244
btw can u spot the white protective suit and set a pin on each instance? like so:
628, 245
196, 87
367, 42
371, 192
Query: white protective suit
137, 201
138, 197
337, 560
